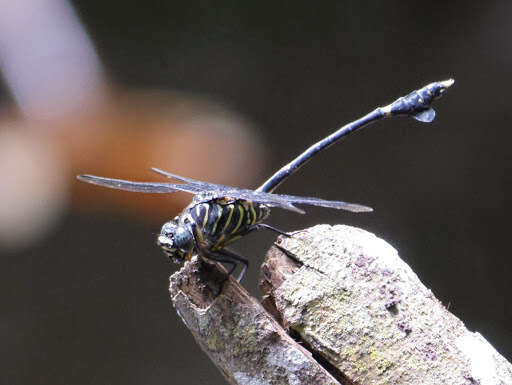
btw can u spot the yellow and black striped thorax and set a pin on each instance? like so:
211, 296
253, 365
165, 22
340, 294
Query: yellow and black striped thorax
221, 221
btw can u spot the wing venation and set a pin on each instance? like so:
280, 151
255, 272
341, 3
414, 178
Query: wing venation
144, 187
205, 191
212, 191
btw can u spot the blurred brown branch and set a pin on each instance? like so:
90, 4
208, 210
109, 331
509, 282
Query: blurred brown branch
121, 138
70, 119
168, 130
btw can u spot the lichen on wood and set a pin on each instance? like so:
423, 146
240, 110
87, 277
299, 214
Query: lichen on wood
352, 300
245, 342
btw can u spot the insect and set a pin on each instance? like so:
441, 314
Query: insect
219, 215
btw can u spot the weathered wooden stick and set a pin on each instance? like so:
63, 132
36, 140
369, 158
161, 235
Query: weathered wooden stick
349, 298
247, 345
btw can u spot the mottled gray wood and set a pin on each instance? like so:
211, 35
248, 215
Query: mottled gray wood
353, 301
247, 345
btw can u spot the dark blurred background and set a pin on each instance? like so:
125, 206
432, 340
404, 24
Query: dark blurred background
228, 92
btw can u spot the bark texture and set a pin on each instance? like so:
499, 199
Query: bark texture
354, 302
247, 345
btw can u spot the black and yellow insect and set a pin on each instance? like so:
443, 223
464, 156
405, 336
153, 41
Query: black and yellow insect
219, 215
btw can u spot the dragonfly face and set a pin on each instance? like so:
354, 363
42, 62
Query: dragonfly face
176, 240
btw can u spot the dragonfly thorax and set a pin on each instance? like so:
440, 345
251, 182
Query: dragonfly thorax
176, 240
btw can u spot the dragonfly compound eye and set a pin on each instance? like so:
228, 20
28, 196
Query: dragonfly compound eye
183, 239
175, 240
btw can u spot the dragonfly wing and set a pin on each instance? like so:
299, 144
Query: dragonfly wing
203, 186
272, 200
145, 187
177, 177
340, 205
248, 195
211, 191
287, 202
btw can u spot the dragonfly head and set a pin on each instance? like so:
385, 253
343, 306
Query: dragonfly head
176, 241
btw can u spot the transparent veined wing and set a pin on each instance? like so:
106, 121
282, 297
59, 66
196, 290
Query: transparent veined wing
204, 186
340, 205
271, 200
205, 191
212, 190
288, 202
181, 178
145, 187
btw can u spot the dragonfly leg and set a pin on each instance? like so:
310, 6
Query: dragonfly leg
221, 258
227, 256
237, 258
268, 227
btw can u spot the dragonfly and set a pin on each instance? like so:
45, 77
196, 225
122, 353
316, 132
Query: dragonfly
219, 215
